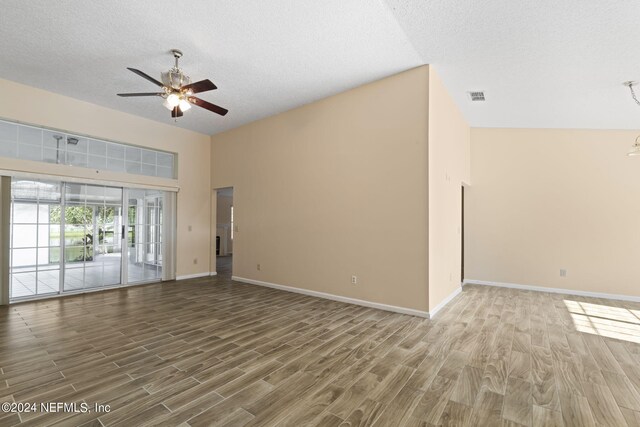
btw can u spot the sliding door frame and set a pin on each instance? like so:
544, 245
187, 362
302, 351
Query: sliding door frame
168, 201
124, 243
62, 258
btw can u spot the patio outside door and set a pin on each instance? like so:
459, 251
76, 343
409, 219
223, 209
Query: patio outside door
34, 247
92, 244
144, 235
69, 237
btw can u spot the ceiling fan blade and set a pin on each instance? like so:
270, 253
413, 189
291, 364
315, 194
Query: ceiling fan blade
208, 106
176, 112
201, 86
145, 76
141, 94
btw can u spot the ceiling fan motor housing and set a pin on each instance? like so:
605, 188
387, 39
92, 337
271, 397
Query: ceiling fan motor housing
175, 79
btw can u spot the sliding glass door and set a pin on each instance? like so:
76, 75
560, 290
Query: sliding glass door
144, 237
35, 238
92, 236
69, 237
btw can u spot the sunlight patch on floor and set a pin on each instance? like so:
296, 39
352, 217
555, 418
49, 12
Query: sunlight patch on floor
607, 321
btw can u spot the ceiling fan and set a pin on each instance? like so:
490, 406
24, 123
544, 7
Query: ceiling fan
177, 90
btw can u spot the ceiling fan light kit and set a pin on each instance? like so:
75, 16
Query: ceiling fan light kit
177, 90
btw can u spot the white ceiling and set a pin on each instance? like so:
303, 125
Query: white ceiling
542, 63
265, 56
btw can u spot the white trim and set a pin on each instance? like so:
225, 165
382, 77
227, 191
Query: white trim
66, 177
193, 276
333, 297
213, 273
445, 301
552, 290
49, 128
64, 294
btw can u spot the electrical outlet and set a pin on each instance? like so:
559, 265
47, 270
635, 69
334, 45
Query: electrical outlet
190, 228
563, 272
354, 280
258, 267
195, 260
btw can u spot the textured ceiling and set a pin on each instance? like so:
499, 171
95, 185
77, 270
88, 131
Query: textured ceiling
542, 63
265, 56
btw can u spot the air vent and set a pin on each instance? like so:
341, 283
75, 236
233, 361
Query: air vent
476, 96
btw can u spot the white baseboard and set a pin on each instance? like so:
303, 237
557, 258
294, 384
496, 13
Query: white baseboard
553, 290
445, 301
193, 276
213, 273
333, 297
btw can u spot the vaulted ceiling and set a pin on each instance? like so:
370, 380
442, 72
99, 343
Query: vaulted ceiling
557, 64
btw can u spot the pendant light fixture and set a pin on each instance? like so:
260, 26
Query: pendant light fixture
635, 148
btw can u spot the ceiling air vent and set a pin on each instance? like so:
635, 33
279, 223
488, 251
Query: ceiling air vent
476, 96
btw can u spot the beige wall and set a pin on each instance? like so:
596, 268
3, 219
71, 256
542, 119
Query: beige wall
449, 168
333, 189
545, 200
34, 106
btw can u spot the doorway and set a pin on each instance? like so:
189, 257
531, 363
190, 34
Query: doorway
225, 231
70, 237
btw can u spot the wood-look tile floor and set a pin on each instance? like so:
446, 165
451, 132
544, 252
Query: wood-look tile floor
211, 352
